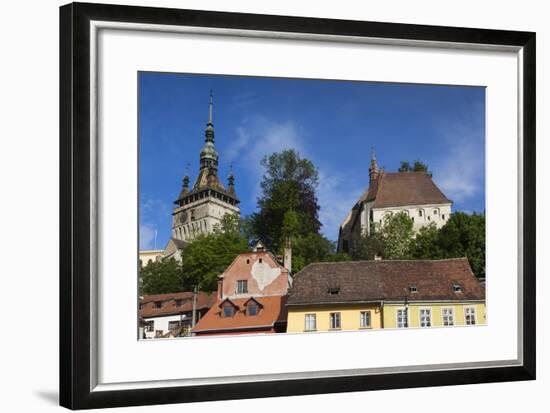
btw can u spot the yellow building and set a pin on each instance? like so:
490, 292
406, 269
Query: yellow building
362, 295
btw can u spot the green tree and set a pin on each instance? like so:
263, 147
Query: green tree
367, 247
396, 234
288, 184
161, 277
464, 236
425, 244
417, 166
208, 255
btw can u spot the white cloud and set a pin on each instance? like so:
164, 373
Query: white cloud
258, 137
460, 171
336, 198
146, 236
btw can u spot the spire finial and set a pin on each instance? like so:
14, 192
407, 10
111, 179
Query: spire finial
231, 179
373, 155
210, 109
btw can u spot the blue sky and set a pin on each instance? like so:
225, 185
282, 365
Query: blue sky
332, 123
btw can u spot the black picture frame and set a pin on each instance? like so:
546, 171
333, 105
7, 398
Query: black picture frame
75, 220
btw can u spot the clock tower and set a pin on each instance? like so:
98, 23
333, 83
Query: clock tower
200, 207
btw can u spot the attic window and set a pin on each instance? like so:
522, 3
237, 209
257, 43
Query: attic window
334, 290
252, 309
179, 302
228, 310
457, 288
260, 260
248, 261
413, 289
158, 304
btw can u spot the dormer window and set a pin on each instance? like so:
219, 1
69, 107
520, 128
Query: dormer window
334, 290
413, 289
228, 310
252, 309
158, 304
260, 260
457, 288
179, 303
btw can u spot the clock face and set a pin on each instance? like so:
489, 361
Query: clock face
183, 217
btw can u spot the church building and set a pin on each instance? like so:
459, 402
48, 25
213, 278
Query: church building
413, 193
200, 207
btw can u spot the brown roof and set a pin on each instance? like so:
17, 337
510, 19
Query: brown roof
272, 309
360, 281
404, 188
170, 301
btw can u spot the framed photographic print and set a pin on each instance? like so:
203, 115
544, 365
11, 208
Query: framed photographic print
258, 206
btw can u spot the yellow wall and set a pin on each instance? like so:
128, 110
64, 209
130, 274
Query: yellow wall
349, 316
390, 313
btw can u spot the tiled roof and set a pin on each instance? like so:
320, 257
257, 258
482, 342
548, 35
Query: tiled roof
358, 281
404, 188
170, 301
272, 310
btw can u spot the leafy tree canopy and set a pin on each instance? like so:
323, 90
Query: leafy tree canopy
288, 203
161, 277
208, 255
417, 166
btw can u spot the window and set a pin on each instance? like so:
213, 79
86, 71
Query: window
242, 286
173, 325
470, 316
335, 322
248, 261
457, 288
413, 289
419, 212
334, 291
252, 308
435, 211
228, 309
158, 304
402, 318
179, 303
260, 260
425, 317
310, 322
448, 317
150, 326
364, 319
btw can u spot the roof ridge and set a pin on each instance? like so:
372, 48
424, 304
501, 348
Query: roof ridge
383, 261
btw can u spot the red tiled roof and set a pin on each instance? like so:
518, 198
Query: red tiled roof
361, 281
404, 188
272, 310
169, 303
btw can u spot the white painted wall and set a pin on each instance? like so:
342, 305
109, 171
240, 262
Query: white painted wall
422, 215
161, 323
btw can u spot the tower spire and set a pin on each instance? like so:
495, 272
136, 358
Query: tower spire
210, 110
373, 170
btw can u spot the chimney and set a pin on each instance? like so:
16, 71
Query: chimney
220, 288
287, 260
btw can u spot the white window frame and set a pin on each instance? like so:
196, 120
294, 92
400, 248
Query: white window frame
309, 317
241, 283
365, 315
337, 317
426, 319
469, 314
450, 316
403, 320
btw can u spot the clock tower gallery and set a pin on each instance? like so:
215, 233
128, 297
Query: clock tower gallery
200, 208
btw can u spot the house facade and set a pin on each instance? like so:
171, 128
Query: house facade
363, 295
251, 297
171, 315
389, 193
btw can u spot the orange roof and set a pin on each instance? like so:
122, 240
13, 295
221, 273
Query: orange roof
174, 303
272, 309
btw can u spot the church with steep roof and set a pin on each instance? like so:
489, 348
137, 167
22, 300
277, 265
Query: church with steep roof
413, 193
199, 208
